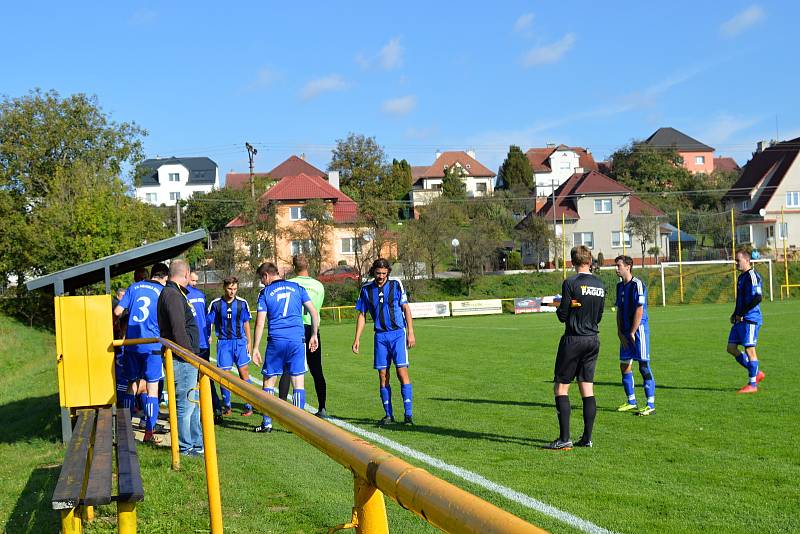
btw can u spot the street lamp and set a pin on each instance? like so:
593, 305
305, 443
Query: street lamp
455, 242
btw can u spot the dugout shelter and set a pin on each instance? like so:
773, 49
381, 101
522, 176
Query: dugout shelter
84, 336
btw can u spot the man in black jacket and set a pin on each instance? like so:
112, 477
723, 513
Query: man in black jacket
581, 309
176, 321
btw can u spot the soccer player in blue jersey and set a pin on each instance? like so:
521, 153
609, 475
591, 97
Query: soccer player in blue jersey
634, 336
198, 301
746, 320
229, 316
280, 305
143, 368
386, 302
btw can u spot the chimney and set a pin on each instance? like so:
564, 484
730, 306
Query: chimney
303, 156
438, 154
761, 146
333, 178
579, 170
551, 145
471, 153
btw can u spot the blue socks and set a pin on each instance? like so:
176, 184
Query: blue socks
299, 398
226, 397
386, 398
627, 384
742, 359
128, 401
752, 371
151, 410
405, 392
649, 383
267, 420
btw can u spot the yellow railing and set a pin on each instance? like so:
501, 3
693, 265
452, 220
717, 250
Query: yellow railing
338, 310
375, 471
788, 288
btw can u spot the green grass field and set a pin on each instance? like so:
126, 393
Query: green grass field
707, 461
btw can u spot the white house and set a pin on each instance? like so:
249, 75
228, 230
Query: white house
766, 199
478, 179
554, 165
167, 180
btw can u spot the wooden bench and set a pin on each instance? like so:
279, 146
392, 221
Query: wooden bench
87, 473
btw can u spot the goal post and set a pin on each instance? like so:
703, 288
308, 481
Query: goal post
704, 281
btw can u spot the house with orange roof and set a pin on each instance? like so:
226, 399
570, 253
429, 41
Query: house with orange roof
291, 166
553, 165
591, 209
427, 181
344, 238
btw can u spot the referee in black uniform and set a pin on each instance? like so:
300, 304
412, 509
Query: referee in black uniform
580, 309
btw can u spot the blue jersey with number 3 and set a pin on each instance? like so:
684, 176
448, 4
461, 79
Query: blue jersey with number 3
283, 300
141, 301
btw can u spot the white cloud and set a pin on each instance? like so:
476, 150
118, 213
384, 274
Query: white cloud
391, 55
422, 133
264, 78
523, 22
314, 88
742, 21
722, 127
388, 58
143, 17
400, 106
550, 53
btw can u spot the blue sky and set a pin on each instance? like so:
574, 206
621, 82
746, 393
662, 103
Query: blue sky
203, 77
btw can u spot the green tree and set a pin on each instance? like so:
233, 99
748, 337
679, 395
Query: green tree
215, 209
538, 235
361, 163
438, 223
478, 242
516, 171
398, 181
453, 186
653, 170
315, 229
645, 228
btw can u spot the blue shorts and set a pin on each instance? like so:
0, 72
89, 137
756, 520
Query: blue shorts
285, 356
232, 352
639, 350
119, 369
390, 347
745, 334
143, 365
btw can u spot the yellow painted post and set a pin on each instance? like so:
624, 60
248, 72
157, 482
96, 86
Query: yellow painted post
680, 255
563, 247
210, 446
785, 259
88, 513
173, 410
369, 509
126, 517
71, 522
733, 252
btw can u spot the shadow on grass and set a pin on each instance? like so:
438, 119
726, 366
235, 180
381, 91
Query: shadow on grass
31, 418
663, 386
526, 404
33, 511
443, 431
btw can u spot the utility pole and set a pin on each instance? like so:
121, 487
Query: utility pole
251, 153
178, 215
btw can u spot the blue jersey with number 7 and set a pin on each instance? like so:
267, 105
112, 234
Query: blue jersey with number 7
283, 301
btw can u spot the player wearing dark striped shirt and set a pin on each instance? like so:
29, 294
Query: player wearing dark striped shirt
746, 320
230, 317
386, 302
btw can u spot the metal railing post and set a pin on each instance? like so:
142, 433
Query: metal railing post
210, 446
370, 510
173, 410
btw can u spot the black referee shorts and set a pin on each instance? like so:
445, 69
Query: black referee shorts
576, 358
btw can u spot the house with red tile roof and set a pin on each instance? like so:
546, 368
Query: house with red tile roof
726, 164
289, 196
553, 165
292, 166
478, 179
766, 199
591, 209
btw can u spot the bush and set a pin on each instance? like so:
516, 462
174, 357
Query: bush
514, 262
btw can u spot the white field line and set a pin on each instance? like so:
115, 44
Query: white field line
417, 325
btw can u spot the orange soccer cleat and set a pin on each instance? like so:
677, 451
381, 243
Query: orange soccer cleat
760, 376
749, 388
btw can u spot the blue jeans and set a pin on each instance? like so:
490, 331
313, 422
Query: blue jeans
190, 434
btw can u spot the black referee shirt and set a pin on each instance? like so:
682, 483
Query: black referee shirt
590, 292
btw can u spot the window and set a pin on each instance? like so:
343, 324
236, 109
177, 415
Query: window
175, 196
770, 232
480, 188
793, 199
583, 238
602, 205
151, 198
743, 234
174, 177
615, 242
744, 204
301, 246
783, 230
350, 245
700, 160
296, 213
